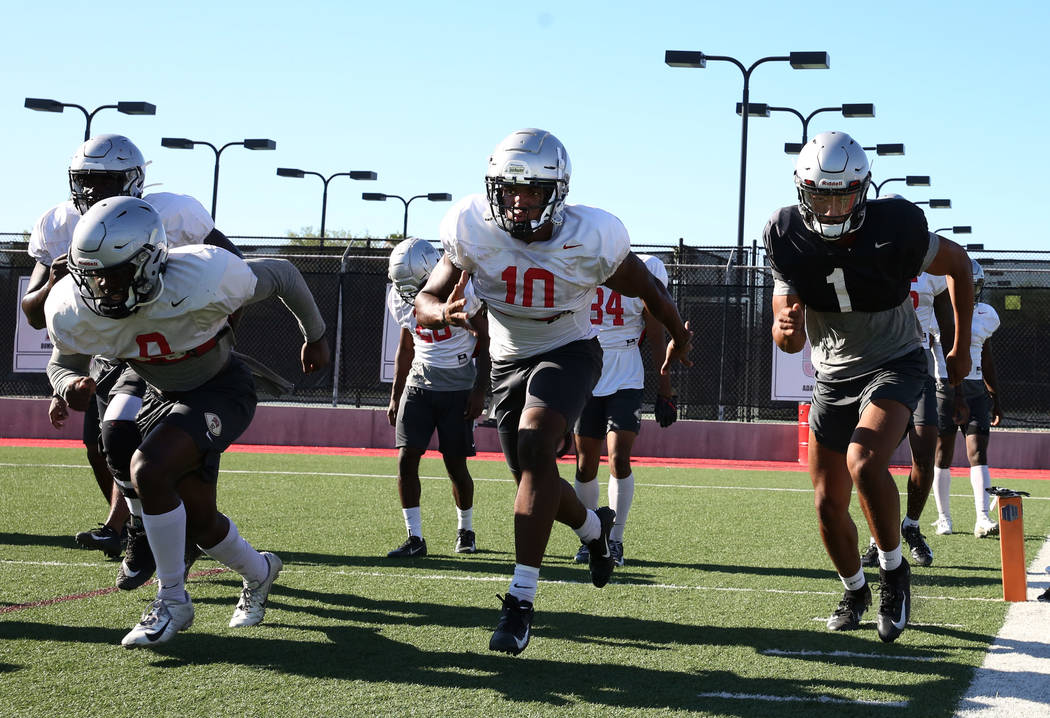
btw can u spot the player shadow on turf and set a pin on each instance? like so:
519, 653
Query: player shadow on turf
372, 653
20, 539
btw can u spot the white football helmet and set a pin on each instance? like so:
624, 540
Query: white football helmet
978, 279
411, 263
117, 256
832, 175
528, 157
106, 166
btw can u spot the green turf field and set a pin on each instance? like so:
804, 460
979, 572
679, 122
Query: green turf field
719, 611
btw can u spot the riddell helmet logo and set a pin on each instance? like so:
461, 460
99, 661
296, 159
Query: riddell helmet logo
89, 263
831, 183
213, 422
516, 169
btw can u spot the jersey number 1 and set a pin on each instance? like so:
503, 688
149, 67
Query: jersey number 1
838, 280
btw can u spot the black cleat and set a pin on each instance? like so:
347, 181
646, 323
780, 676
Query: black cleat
895, 602
138, 564
103, 539
1044, 597
413, 547
921, 553
870, 558
850, 609
466, 542
616, 549
514, 625
583, 555
601, 559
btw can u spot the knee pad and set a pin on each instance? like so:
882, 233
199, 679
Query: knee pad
120, 440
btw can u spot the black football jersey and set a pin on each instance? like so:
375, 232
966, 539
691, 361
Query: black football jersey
872, 274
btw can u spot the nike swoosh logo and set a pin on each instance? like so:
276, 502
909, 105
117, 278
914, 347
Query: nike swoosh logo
151, 637
606, 554
883, 244
175, 304
571, 246
522, 641
129, 573
899, 625
514, 585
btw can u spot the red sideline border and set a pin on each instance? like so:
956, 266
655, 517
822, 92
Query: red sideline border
1034, 474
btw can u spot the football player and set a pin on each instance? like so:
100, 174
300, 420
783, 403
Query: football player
535, 261
436, 386
110, 166
979, 393
932, 307
842, 270
614, 410
166, 314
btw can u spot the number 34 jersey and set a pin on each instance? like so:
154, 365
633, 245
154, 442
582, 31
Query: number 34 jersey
859, 313
539, 294
620, 327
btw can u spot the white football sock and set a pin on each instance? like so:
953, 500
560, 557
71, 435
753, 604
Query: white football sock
942, 487
890, 560
980, 479
523, 585
591, 529
465, 518
413, 521
588, 492
908, 522
167, 538
238, 554
621, 495
854, 582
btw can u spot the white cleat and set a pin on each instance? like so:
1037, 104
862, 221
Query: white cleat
252, 606
985, 527
160, 622
942, 526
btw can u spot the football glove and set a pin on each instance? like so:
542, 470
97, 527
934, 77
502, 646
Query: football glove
665, 410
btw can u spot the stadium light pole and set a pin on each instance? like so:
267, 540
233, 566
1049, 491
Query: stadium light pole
352, 174
964, 229
910, 180
856, 109
181, 143
128, 108
698, 60
430, 196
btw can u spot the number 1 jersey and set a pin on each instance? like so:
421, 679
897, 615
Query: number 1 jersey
859, 312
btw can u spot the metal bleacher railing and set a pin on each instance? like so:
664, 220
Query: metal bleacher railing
726, 298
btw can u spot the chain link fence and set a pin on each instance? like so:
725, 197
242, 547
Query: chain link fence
725, 295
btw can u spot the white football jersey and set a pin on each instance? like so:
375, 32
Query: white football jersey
446, 348
923, 289
203, 285
185, 222
620, 327
985, 322
539, 294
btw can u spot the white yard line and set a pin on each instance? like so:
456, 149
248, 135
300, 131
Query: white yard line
1014, 680
805, 699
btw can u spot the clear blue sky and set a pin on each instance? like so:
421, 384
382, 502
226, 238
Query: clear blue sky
420, 92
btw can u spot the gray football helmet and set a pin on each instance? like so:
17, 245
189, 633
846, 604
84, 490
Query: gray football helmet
411, 263
105, 166
832, 175
528, 157
978, 279
117, 256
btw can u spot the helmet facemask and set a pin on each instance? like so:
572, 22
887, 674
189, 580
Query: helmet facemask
116, 292
501, 194
832, 212
91, 186
978, 280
